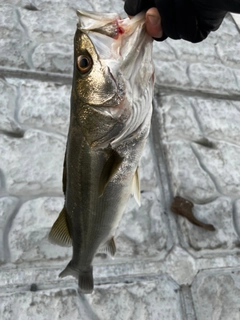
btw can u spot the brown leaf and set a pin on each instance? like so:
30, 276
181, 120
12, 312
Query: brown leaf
184, 208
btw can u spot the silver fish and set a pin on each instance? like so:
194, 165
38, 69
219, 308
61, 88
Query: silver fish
111, 107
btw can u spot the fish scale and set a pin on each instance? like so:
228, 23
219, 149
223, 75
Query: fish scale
111, 109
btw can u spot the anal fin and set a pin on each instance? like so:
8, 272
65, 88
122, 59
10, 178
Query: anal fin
59, 233
69, 271
109, 248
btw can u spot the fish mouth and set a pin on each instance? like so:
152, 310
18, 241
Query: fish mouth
111, 28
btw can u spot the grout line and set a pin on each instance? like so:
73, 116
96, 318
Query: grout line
187, 303
162, 171
7, 254
67, 79
35, 75
193, 92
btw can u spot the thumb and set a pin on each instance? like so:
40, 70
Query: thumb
153, 23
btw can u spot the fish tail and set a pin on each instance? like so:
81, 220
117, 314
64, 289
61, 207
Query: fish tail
85, 278
85, 281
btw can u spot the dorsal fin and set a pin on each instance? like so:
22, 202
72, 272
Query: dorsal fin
59, 233
109, 170
136, 187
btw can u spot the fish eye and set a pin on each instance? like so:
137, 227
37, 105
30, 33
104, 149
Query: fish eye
84, 64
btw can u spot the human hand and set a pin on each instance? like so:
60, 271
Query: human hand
189, 20
153, 23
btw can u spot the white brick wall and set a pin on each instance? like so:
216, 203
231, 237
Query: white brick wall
165, 267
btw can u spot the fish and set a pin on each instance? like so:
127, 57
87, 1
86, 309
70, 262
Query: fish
110, 117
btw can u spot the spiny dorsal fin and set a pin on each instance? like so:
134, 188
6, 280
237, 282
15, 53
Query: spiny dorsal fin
136, 187
109, 170
59, 233
109, 247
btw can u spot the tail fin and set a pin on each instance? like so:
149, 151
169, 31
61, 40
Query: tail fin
85, 281
85, 278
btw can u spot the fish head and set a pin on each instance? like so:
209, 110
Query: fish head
97, 80
110, 54
113, 77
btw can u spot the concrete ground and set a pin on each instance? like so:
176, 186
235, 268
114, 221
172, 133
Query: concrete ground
165, 268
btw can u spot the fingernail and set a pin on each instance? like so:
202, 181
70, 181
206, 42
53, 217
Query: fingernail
153, 20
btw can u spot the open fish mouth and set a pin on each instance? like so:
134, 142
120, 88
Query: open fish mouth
111, 29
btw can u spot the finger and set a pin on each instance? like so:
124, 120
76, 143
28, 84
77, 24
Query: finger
153, 23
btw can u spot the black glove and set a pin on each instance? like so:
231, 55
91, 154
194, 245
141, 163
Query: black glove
191, 20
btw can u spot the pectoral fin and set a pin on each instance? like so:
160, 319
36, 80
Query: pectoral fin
109, 170
59, 233
109, 247
136, 187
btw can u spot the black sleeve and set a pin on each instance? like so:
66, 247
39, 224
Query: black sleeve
191, 20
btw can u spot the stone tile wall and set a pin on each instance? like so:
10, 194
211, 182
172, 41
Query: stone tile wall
165, 267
